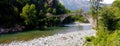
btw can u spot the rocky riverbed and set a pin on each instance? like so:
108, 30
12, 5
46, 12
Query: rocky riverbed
68, 39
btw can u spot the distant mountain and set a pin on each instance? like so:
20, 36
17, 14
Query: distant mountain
77, 4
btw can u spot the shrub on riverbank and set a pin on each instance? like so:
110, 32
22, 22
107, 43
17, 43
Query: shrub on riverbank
105, 38
110, 18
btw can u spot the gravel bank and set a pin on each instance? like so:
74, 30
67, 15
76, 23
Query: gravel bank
68, 39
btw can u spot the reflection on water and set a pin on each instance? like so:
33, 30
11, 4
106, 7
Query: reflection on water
74, 27
85, 27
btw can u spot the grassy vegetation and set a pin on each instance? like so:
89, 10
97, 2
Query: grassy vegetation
105, 38
28, 35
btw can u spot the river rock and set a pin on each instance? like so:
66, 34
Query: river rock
68, 39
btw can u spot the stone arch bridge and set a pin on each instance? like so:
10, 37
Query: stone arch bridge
88, 17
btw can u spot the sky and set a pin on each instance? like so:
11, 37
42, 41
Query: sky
108, 1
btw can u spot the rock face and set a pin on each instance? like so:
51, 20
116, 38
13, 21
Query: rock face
68, 39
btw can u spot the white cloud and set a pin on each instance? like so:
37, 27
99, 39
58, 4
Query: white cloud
108, 1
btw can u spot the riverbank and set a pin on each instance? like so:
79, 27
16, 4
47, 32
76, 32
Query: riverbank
29, 35
68, 39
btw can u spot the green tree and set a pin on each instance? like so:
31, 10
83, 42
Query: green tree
116, 3
29, 14
95, 7
54, 11
60, 9
9, 14
110, 18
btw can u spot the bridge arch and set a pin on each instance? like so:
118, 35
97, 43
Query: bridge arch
67, 20
62, 17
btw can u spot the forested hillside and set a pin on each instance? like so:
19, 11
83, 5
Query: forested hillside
29, 14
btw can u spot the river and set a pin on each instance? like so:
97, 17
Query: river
69, 35
74, 27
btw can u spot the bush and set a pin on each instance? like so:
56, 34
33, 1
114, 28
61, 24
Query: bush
110, 18
104, 38
89, 38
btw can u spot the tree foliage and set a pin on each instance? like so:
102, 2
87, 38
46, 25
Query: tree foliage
110, 18
29, 14
116, 3
95, 6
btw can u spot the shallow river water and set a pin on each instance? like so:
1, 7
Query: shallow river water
75, 27
69, 35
